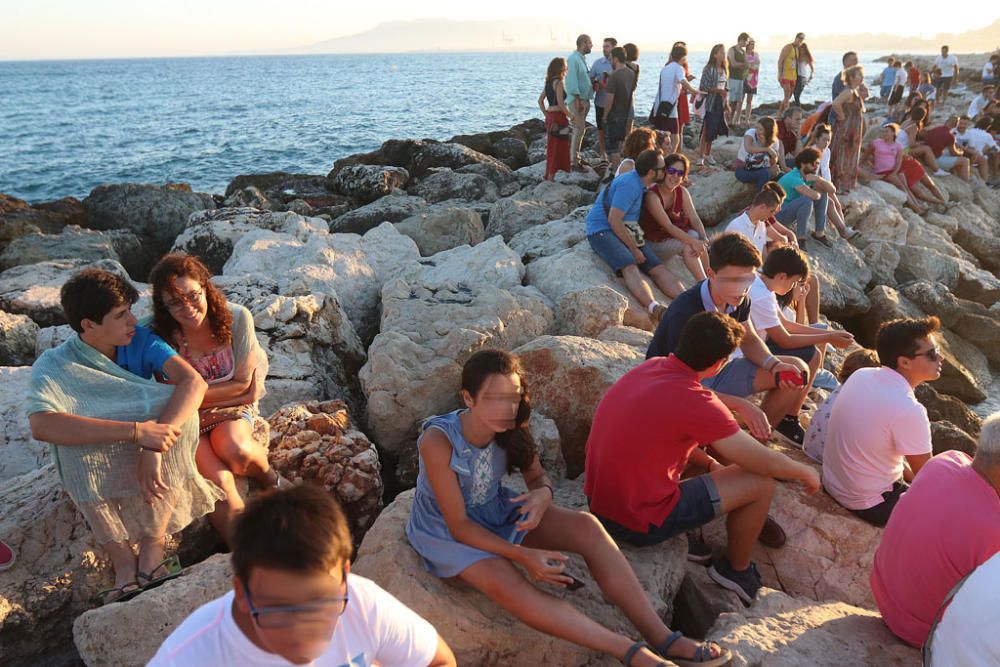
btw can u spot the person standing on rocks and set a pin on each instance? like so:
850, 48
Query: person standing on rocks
634, 463
804, 72
124, 445
715, 104
217, 338
465, 523
737, 57
669, 113
579, 92
948, 64
849, 59
879, 436
752, 78
951, 517
296, 601
600, 71
733, 263
848, 128
614, 233
618, 103
632, 62
788, 69
556, 119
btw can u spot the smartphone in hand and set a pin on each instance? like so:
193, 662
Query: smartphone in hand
796, 378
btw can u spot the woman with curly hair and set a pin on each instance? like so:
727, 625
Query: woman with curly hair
638, 140
217, 338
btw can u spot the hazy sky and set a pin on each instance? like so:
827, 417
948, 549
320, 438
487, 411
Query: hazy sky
42, 29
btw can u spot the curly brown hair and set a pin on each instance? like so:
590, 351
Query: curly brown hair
637, 141
164, 277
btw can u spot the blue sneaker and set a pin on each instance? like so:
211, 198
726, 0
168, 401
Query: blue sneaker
745, 583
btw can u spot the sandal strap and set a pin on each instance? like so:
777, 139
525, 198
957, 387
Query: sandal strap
665, 645
704, 652
172, 564
630, 653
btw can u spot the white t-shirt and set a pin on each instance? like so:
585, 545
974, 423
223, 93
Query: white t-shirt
901, 76
976, 139
875, 422
763, 307
670, 86
742, 154
824, 165
756, 233
967, 634
988, 70
946, 65
376, 629
977, 105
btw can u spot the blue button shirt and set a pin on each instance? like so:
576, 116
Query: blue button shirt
145, 355
626, 193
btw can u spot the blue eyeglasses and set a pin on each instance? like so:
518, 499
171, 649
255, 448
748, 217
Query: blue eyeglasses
286, 616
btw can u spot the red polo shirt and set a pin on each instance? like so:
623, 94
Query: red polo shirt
643, 433
939, 138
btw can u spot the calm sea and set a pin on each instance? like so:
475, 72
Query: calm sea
67, 126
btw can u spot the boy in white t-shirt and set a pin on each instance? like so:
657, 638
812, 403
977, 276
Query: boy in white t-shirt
879, 436
293, 603
784, 269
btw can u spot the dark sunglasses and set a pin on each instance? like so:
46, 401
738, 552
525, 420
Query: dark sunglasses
673, 171
931, 354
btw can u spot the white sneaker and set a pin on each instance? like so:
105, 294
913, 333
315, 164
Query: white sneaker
940, 172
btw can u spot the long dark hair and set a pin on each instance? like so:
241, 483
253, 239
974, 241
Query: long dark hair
517, 442
770, 130
164, 277
556, 67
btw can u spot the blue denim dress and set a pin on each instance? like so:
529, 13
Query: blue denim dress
487, 502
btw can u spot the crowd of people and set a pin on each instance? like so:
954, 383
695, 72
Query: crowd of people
152, 421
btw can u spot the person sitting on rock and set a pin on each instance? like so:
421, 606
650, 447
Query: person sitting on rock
879, 436
949, 157
669, 221
466, 524
758, 159
951, 517
295, 600
784, 269
819, 425
967, 632
123, 444
634, 464
733, 261
802, 198
886, 157
613, 232
638, 140
217, 338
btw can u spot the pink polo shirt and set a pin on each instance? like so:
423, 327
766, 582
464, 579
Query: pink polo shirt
945, 526
875, 422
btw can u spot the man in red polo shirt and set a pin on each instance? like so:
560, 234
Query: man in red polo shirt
950, 157
656, 419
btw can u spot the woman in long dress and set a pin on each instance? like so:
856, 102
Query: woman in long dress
845, 146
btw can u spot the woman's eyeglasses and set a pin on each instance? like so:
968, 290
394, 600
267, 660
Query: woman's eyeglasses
192, 298
286, 616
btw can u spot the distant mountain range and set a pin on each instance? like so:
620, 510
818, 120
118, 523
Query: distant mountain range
559, 35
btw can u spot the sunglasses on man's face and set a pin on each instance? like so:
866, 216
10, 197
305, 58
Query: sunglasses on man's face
931, 354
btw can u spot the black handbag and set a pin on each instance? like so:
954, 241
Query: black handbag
663, 109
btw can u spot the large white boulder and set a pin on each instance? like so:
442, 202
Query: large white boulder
19, 452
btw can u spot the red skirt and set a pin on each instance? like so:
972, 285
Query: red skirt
557, 147
912, 170
683, 113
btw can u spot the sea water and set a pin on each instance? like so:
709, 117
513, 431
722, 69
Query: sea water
68, 126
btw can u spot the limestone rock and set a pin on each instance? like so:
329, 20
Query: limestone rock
19, 452
637, 338
534, 173
18, 217
829, 552
781, 631
883, 259
568, 376
107, 635
976, 284
156, 214
511, 151
941, 407
978, 233
926, 264
550, 238
318, 443
443, 184
954, 188
488, 263
510, 216
719, 195
547, 443
390, 208
560, 198
946, 436
945, 222
367, 182
700, 601
349, 267
889, 192
249, 197
590, 311
211, 235
33, 290
77, 243
17, 339
429, 329
479, 632
453, 156
843, 275
883, 223
444, 229
49, 337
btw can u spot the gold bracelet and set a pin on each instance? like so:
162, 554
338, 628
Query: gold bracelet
135, 431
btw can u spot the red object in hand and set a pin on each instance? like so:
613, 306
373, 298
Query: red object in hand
796, 378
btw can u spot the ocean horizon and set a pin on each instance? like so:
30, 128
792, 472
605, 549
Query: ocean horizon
67, 126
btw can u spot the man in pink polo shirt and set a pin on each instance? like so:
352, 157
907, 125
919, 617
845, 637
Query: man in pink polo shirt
879, 435
658, 417
951, 518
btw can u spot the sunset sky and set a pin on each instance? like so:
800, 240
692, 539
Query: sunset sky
54, 29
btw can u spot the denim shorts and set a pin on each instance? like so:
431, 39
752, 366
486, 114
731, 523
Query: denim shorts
617, 255
805, 353
736, 378
699, 504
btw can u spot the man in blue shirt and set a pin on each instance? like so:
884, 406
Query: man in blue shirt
801, 199
579, 92
599, 73
608, 230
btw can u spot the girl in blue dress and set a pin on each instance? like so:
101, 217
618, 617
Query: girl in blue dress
466, 524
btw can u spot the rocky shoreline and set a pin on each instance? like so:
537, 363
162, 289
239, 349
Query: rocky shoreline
370, 286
